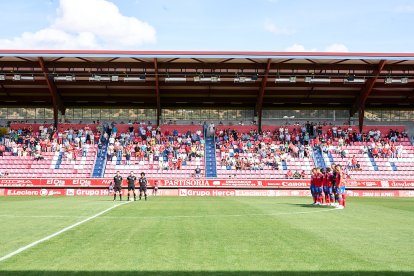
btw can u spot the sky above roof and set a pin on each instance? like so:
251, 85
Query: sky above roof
201, 25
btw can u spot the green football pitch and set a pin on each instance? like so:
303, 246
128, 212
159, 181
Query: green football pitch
205, 236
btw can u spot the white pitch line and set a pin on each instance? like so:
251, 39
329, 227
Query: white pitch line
24, 248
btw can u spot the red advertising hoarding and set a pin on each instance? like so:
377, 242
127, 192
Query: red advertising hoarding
263, 192
195, 192
236, 192
70, 192
198, 182
54, 182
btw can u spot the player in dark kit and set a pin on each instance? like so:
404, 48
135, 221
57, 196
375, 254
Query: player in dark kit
143, 186
334, 189
118, 185
131, 179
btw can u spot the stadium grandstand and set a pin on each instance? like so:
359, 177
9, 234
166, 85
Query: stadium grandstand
241, 115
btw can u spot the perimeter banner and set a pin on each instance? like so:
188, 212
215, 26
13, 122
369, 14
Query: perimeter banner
198, 182
71, 192
235, 192
45, 192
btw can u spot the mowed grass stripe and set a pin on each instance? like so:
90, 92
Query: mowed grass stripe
27, 219
368, 233
127, 239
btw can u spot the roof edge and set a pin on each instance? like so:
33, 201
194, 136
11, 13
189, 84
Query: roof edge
241, 54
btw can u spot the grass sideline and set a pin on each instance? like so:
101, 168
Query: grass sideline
207, 236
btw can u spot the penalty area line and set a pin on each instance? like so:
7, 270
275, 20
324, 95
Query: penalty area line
24, 248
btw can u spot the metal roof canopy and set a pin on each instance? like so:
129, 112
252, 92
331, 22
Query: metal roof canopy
260, 68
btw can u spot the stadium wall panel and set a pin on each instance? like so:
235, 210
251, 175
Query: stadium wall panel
200, 187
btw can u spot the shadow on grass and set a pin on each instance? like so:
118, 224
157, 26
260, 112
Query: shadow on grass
310, 205
196, 273
111, 199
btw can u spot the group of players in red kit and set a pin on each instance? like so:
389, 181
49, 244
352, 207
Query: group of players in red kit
328, 186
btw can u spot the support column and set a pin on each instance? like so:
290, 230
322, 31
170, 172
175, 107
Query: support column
157, 91
259, 102
55, 117
63, 113
361, 119
259, 119
57, 101
367, 89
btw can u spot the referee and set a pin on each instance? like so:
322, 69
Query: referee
143, 186
131, 179
118, 185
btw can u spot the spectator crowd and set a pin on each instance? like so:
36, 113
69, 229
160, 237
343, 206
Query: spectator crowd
148, 144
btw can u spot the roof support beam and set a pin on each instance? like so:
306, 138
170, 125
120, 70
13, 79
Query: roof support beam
367, 89
56, 98
226, 60
138, 59
340, 61
286, 60
171, 60
112, 59
157, 91
56, 59
252, 60
84, 59
259, 103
